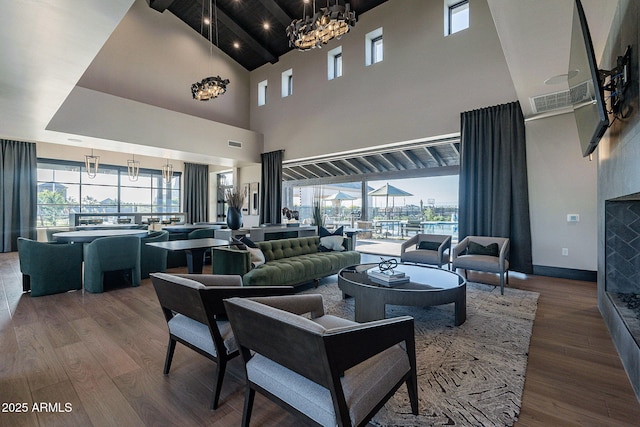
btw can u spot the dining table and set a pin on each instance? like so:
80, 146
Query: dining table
194, 249
87, 236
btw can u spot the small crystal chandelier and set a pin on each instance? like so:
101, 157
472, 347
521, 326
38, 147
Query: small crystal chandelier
319, 28
167, 172
210, 87
133, 168
91, 162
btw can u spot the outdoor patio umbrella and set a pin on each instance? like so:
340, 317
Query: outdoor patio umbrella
389, 191
338, 198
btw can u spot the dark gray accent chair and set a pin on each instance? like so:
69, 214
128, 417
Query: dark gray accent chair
107, 254
152, 259
492, 264
328, 370
196, 317
49, 268
437, 253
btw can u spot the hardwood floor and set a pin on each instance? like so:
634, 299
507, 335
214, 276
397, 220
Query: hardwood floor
96, 360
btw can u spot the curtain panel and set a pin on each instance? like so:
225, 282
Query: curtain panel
271, 188
196, 192
18, 192
494, 196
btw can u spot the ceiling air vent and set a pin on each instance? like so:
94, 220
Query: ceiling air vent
235, 144
563, 99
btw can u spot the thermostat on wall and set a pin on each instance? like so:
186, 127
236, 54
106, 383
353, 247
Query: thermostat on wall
573, 218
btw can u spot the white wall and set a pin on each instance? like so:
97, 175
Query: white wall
561, 182
417, 91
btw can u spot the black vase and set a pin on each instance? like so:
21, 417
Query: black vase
234, 218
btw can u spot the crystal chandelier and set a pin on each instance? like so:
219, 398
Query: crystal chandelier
91, 162
323, 25
210, 87
133, 168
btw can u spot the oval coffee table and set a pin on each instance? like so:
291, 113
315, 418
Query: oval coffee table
427, 286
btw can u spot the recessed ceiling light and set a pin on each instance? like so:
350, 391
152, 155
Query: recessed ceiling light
236, 45
265, 26
206, 21
74, 140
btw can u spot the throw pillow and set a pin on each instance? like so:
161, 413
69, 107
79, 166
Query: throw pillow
323, 232
430, 246
257, 257
238, 243
478, 249
247, 241
332, 243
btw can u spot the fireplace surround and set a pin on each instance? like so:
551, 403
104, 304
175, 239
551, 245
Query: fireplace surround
622, 271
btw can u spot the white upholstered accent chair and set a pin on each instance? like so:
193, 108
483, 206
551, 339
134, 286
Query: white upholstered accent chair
195, 314
329, 370
432, 249
482, 253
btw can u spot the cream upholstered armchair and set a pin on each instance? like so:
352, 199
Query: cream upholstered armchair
481, 253
433, 249
329, 370
195, 314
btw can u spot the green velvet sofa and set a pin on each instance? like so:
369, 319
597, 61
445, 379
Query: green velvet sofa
289, 262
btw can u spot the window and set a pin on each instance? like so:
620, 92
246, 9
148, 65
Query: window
334, 63
373, 47
64, 188
456, 16
287, 83
262, 93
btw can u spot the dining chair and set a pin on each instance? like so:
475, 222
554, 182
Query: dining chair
49, 268
106, 254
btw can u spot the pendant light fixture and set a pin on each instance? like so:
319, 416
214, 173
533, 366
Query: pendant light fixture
92, 163
210, 87
133, 168
167, 172
319, 27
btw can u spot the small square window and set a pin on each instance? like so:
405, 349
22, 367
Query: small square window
287, 83
334, 63
457, 16
262, 93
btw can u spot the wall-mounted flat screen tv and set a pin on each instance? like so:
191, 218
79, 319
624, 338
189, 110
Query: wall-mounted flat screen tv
585, 85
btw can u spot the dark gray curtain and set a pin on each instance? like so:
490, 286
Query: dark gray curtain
494, 197
18, 192
196, 192
271, 188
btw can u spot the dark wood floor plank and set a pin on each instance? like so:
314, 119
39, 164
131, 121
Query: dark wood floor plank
104, 404
111, 357
59, 405
39, 361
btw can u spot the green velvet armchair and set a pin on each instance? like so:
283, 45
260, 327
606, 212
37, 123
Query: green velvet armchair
110, 254
49, 268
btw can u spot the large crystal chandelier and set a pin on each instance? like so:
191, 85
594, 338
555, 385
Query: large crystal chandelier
210, 87
318, 28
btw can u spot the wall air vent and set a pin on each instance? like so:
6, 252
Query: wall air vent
235, 144
563, 99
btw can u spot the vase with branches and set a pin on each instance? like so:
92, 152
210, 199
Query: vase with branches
235, 200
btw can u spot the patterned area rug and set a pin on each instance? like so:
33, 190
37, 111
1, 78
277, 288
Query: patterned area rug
471, 375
